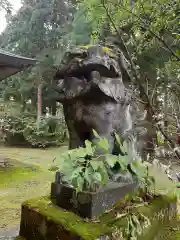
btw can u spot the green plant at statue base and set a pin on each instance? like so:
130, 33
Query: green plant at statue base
86, 171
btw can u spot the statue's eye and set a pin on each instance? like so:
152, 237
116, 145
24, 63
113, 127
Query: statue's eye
112, 68
85, 54
60, 82
95, 75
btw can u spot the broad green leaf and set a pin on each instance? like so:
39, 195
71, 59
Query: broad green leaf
124, 147
97, 177
80, 183
124, 159
95, 164
79, 153
67, 168
89, 148
117, 137
88, 144
111, 160
95, 134
138, 168
104, 175
76, 172
88, 174
103, 143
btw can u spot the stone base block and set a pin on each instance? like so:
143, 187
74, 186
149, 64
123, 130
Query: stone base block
42, 220
90, 204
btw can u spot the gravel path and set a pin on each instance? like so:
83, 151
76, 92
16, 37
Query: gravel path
7, 238
10, 233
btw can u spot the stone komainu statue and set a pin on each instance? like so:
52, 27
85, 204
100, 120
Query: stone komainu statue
92, 86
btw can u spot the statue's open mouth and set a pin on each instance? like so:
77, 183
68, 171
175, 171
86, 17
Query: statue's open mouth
105, 70
85, 67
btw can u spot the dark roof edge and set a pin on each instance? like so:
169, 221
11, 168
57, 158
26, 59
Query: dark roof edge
3, 52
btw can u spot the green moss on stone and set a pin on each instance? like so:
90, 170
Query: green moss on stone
19, 238
89, 230
106, 49
68, 220
92, 230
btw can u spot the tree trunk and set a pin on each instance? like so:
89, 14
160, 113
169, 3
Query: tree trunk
38, 105
53, 108
150, 138
151, 135
165, 114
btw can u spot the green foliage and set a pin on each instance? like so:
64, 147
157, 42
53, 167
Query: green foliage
6, 5
136, 222
85, 170
23, 130
82, 170
81, 28
160, 140
37, 30
148, 33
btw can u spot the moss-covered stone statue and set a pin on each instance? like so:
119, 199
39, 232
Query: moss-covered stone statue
92, 87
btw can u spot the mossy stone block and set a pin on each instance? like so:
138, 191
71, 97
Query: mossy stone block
41, 220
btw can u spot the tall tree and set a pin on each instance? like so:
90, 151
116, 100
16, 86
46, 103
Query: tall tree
6, 5
38, 30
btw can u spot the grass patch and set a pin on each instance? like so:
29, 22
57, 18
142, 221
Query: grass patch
40, 157
27, 178
11, 197
17, 172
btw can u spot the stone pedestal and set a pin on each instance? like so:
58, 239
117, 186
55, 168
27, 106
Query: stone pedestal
89, 204
42, 220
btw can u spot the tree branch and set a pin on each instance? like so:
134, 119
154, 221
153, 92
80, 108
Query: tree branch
141, 88
145, 27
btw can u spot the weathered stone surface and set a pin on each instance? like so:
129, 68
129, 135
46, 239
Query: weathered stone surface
42, 220
93, 86
90, 204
